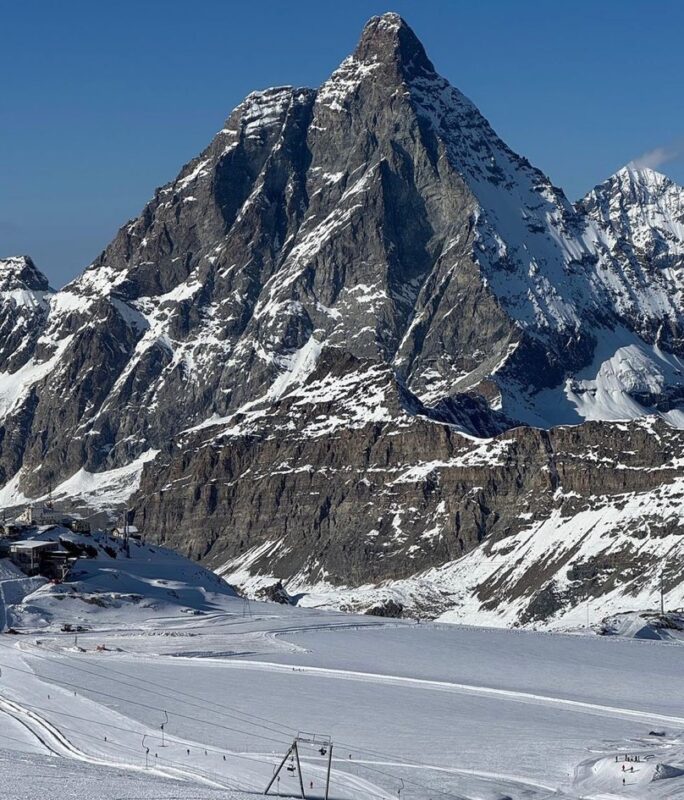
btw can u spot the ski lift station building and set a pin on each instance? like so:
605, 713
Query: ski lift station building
28, 554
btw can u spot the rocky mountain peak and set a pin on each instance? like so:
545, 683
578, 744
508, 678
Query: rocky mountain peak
634, 185
20, 273
388, 39
638, 218
388, 59
24, 303
634, 175
642, 206
641, 185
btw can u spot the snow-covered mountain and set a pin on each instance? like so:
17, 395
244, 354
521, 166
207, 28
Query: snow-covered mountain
24, 301
640, 216
312, 353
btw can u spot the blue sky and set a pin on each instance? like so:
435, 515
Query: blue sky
100, 102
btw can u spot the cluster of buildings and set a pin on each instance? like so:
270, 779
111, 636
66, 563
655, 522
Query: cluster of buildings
23, 540
35, 556
38, 515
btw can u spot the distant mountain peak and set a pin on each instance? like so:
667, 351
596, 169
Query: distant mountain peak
633, 170
637, 186
24, 304
644, 177
19, 272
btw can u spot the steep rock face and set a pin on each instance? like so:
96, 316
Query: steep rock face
364, 506
24, 303
638, 215
348, 284
525, 525
24, 293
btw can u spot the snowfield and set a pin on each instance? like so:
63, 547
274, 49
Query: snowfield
26, 776
414, 710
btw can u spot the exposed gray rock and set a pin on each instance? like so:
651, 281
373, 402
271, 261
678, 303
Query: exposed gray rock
276, 593
389, 608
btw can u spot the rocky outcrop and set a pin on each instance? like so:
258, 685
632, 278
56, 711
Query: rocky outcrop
386, 501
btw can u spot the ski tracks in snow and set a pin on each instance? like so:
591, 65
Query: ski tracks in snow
56, 743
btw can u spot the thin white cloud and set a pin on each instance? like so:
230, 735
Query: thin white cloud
660, 155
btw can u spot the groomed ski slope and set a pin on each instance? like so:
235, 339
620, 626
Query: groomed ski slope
415, 710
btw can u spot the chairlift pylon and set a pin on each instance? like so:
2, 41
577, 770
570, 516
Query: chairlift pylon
290, 761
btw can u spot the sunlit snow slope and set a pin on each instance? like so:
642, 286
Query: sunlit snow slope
152, 702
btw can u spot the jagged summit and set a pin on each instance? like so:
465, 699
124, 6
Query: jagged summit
388, 38
634, 172
638, 218
24, 303
642, 206
638, 183
19, 272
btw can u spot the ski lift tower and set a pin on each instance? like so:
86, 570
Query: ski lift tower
323, 747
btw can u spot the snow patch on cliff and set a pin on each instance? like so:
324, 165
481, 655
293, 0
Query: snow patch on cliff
107, 489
